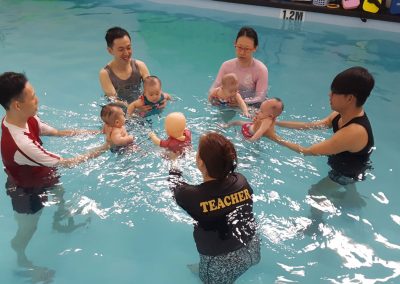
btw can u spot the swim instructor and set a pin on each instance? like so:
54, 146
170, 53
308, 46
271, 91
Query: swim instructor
225, 232
351, 145
26, 162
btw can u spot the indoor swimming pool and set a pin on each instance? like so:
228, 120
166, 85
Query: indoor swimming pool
118, 222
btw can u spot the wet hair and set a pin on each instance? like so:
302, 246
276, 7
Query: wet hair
151, 80
107, 113
115, 33
273, 109
229, 79
248, 32
278, 111
356, 81
218, 154
11, 87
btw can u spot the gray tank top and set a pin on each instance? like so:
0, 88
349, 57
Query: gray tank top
130, 89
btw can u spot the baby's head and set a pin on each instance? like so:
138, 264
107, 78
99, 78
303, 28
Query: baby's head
230, 84
112, 115
270, 108
175, 124
152, 88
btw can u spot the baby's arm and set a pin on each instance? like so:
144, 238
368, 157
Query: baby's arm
155, 139
133, 105
265, 125
119, 139
213, 96
242, 105
163, 104
167, 97
234, 123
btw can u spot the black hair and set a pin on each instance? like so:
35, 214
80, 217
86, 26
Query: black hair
114, 33
356, 81
11, 86
279, 100
151, 79
108, 112
248, 32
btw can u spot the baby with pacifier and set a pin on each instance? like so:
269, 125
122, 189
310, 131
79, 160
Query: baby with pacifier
265, 118
152, 97
179, 138
228, 94
114, 126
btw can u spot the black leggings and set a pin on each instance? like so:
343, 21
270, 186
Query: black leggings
226, 268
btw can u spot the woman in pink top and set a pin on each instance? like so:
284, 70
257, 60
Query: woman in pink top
252, 73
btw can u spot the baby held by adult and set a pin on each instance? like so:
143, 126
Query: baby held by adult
264, 119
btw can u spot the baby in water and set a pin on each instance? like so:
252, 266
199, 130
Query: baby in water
153, 98
228, 94
114, 125
264, 119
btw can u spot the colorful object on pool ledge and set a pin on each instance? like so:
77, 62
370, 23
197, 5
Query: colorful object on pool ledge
372, 6
350, 4
395, 7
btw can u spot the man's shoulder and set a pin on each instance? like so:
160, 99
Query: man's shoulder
32, 121
103, 71
19, 135
139, 63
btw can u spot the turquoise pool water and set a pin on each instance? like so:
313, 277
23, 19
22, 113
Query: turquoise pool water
128, 228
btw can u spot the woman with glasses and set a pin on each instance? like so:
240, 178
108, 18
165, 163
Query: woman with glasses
252, 73
222, 206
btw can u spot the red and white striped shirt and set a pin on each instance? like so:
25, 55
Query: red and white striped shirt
26, 162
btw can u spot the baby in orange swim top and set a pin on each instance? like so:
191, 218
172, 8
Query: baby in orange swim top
114, 125
228, 94
264, 119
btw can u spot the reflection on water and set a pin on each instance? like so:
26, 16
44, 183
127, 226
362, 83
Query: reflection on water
352, 235
28, 206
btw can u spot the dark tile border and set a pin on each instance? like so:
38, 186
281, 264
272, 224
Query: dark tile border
382, 15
